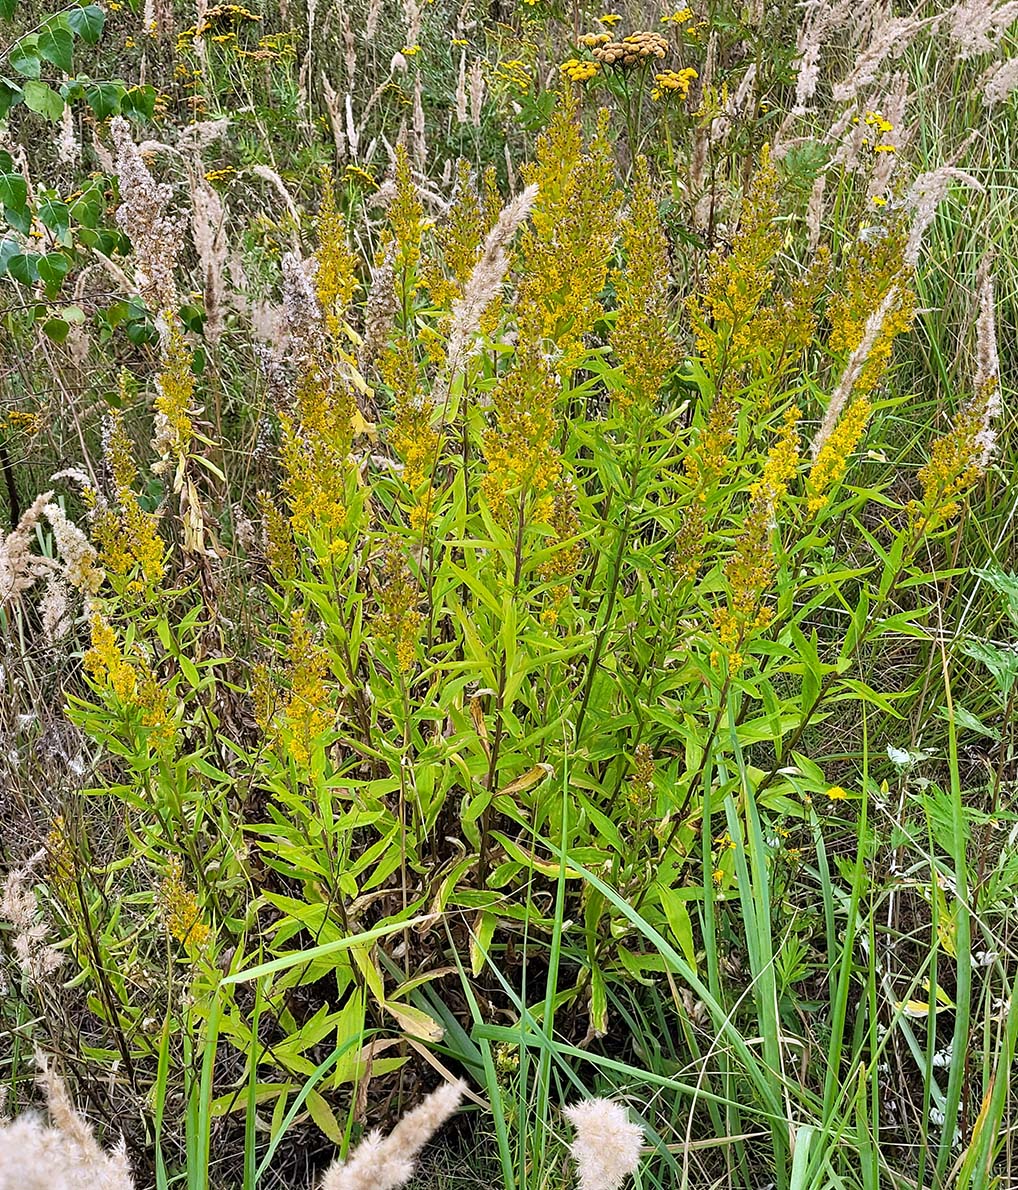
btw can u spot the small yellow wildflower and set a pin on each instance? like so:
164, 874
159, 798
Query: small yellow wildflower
719, 876
180, 909
673, 82
610, 18
837, 794
579, 71
879, 200
679, 17
590, 40
409, 51
460, 41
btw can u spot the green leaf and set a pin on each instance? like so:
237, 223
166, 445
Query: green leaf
24, 57
23, 267
20, 218
13, 190
87, 208
10, 94
56, 45
41, 98
87, 22
53, 268
104, 98
55, 215
8, 248
55, 329
7, 9
139, 102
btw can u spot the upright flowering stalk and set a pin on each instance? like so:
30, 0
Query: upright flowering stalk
523, 462
960, 458
566, 248
750, 570
873, 305
639, 335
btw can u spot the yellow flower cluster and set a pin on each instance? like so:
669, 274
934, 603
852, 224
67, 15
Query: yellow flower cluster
958, 459
180, 909
174, 400
336, 274
125, 533
459, 237
632, 50
579, 70
519, 447
874, 267
565, 250
723, 318
565, 550
673, 82
398, 621
639, 335
106, 664
415, 438
516, 72
832, 460
641, 780
306, 714
590, 40
406, 225
315, 449
132, 686
680, 17
751, 568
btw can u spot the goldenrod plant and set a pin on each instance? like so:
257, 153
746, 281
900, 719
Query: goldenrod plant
507, 581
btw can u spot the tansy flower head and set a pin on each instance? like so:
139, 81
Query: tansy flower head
675, 82
579, 71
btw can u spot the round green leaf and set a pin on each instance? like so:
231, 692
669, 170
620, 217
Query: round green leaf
41, 98
87, 22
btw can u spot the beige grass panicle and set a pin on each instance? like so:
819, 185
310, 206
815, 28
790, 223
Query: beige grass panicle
383, 1163
607, 1144
60, 1155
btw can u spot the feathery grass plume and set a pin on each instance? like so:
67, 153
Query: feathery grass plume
62, 1156
606, 1147
927, 192
890, 39
976, 26
853, 369
68, 145
335, 110
19, 567
477, 95
208, 230
420, 140
999, 82
486, 279
380, 307
819, 16
80, 560
141, 215
36, 956
961, 456
384, 1163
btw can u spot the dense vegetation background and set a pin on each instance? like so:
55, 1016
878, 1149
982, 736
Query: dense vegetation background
507, 574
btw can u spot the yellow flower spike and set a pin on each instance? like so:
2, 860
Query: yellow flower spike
180, 909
